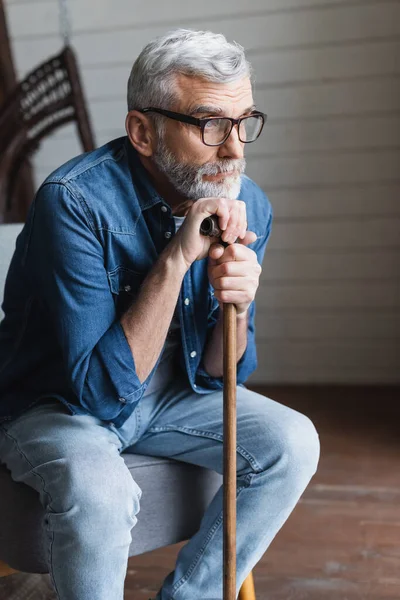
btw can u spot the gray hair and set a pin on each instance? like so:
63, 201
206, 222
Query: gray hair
193, 53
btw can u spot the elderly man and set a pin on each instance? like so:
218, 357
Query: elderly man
112, 337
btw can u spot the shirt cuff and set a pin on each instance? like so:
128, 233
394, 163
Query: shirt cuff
112, 374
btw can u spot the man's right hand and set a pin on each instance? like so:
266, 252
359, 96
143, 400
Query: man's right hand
232, 220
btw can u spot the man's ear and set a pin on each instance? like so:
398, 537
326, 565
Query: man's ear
141, 132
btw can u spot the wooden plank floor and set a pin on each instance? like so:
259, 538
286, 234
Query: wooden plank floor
342, 541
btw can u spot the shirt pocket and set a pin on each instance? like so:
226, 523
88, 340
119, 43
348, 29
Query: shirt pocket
125, 286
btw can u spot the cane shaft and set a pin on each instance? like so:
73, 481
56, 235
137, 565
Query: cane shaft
210, 227
229, 473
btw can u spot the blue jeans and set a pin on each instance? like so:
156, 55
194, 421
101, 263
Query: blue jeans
68, 459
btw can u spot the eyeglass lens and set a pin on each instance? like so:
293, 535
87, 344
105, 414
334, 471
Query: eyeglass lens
217, 130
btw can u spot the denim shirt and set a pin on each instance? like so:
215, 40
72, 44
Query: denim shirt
94, 230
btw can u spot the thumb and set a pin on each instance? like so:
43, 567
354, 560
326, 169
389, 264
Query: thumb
249, 238
216, 251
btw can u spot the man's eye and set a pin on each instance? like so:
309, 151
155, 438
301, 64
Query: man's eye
214, 124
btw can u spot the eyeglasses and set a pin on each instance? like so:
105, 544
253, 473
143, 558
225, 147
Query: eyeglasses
216, 130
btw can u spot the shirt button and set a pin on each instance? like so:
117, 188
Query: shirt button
187, 301
167, 234
127, 288
122, 400
164, 208
193, 354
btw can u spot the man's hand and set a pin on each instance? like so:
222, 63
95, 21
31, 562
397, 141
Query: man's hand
232, 220
234, 273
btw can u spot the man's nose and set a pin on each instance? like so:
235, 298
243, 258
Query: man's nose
232, 147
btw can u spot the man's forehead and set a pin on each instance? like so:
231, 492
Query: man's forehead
210, 97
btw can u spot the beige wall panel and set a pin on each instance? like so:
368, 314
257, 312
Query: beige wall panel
280, 30
325, 298
317, 354
327, 327
330, 265
41, 17
278, 67
327, 375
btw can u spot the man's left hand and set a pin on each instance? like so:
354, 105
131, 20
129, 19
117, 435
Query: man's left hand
234, 273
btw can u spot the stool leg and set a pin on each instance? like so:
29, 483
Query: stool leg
6, 570
247, 591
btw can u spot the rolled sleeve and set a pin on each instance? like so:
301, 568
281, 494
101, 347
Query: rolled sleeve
66, 262
112, 354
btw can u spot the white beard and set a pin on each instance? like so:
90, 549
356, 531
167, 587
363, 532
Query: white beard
188, 179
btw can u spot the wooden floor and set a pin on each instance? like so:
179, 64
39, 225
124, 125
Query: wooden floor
342, 541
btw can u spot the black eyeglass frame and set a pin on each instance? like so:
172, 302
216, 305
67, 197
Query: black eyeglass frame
203, 122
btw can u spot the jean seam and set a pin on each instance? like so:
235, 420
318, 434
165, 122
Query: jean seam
209, 434
36, 474
51, 561
123, 442
195, 562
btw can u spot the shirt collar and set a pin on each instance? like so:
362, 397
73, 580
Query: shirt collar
141, 180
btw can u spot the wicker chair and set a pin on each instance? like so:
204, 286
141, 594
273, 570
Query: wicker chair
50, 96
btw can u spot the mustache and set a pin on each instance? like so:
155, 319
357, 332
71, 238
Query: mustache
226, 166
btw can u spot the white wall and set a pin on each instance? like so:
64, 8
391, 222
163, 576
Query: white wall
328, 78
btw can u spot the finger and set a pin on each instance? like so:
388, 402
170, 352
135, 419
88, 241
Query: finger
234, 296
234, 225
243, 220
237, 252
249, 238
231, 283
216, 251
239, 268
213, 206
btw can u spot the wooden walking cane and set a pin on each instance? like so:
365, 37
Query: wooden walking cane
210, 227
